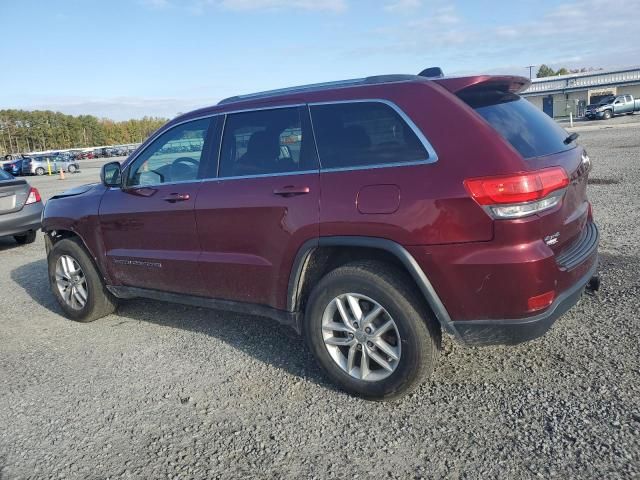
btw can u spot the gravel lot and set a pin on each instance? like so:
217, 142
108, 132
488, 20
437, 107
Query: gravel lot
169, 391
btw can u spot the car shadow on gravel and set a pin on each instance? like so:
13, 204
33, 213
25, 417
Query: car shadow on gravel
8, 243
264, 339
33, 278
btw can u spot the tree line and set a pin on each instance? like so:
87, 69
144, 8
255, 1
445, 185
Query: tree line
547, 71
27, 131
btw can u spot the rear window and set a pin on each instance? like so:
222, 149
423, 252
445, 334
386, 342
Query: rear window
529, 130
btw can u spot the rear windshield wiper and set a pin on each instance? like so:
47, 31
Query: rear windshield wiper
571, 138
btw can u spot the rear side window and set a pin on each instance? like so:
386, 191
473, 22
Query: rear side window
266, 142
363, 133
529, 130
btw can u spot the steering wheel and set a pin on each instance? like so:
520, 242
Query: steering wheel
186, 160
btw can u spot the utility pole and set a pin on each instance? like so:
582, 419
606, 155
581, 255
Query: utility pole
530, 67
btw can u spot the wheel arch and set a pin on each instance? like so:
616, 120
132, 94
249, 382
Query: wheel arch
53, 235
317, 256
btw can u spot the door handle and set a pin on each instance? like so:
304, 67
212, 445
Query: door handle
177, 197
291, 191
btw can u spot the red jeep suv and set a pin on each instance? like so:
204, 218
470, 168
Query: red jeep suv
370, 215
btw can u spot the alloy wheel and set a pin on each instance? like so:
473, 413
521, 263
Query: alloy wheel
361, 337
71, 282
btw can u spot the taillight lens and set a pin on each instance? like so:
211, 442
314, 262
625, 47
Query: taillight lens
541, 301
34, 196
515, 196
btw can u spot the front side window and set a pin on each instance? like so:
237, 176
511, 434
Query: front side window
174, 156
364, 133
265, 142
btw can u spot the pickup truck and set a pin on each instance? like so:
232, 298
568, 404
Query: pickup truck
611, 106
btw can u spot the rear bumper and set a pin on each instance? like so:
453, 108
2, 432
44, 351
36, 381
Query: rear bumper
20, 222
511, 332
485, 287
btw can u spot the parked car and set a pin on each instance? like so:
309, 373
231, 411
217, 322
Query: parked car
14, 167
20, 209
414, 206
39, 165
611, 106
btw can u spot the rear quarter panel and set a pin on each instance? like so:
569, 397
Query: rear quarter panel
434, 206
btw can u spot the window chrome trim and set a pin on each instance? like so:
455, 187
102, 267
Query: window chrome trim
262, 175
433, 156
377, 166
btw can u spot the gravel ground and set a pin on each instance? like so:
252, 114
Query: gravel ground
167, 391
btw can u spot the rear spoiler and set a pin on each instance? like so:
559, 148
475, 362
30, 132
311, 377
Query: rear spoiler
506, 83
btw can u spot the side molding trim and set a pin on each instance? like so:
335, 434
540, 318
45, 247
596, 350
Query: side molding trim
290, 319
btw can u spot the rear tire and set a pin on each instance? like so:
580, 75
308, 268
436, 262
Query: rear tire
414, 337
71, 169
26, 238
86, 298
39, 171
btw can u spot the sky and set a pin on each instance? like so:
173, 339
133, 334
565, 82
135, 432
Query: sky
124, 59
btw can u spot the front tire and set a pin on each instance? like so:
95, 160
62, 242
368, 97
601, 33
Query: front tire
77, 284
71, 169
606, 115
26, 238
40, 171
370, 331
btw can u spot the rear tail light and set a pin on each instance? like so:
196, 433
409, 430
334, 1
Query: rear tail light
34, 196
520, 195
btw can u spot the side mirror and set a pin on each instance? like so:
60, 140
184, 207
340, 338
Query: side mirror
110, 175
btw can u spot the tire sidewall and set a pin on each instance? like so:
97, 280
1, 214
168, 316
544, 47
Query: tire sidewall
415, 353
40, 171
94, 286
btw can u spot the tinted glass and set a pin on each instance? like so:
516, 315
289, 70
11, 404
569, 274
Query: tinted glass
265, 142
363, 133
529, 130
173, 157
4, 175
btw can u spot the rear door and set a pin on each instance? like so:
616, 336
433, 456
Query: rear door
148, 226
542, 143
263, 205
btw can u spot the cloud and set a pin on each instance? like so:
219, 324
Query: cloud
327, 5
561, 35
159, 4
200, 6
403, 6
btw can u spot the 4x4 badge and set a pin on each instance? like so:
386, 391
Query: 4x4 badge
552, 239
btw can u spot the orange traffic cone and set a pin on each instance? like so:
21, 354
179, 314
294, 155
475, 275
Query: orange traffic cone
61, 174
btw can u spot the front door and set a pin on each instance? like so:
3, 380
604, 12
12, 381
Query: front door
263, 205
148, 225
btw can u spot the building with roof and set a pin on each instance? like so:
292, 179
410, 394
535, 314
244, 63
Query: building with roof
560, 95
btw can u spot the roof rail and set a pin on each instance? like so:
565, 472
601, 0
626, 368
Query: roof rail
315, 87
